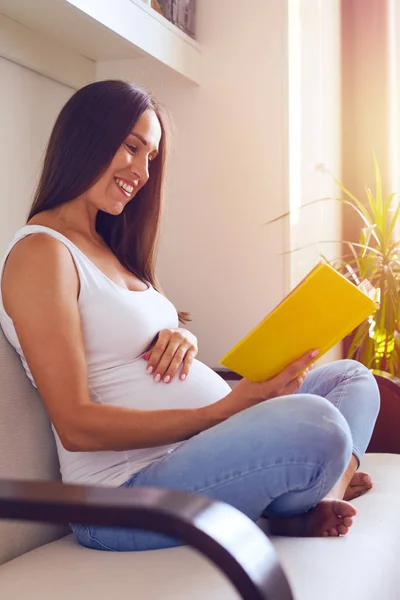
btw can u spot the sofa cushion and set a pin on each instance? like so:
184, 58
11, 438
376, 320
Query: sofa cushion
27, 449
363, 564
64, 571
360, 566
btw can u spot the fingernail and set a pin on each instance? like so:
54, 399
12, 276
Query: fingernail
150, 369
366, 478
314, 353
183, 377
157, 378
167, 379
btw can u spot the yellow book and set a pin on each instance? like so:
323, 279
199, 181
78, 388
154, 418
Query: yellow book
316, 315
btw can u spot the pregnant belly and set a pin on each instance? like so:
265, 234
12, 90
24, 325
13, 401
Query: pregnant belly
131, 386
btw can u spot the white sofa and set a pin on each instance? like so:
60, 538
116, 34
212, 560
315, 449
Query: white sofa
39, 561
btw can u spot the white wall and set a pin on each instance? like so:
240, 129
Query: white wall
229, 171
37, 77
29, 104
230, 167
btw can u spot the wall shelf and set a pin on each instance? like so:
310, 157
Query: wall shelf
104, 30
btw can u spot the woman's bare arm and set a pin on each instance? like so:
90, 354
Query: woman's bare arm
40, 289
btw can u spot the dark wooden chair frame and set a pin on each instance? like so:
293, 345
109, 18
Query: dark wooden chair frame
215, 529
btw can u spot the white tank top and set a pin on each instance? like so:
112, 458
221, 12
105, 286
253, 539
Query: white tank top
118, 326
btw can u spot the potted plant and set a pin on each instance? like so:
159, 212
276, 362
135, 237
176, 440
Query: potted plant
376, 342
376, 258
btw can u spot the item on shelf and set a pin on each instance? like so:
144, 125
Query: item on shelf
185, 16
167, 8
156, 6
181, 13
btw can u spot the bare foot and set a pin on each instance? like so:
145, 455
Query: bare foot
360, 484
329, 518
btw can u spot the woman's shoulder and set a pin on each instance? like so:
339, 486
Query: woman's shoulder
36, 246
37, 256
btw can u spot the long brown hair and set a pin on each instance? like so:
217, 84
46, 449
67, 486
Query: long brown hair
88, 132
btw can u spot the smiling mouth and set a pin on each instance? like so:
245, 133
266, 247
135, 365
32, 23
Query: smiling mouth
126, 188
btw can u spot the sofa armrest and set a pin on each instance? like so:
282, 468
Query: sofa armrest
227, 374
223, 534
388, 381
385, 437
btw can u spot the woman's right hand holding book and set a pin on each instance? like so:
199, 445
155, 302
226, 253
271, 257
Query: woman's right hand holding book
247, 393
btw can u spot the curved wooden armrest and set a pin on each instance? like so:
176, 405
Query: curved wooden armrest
226, 536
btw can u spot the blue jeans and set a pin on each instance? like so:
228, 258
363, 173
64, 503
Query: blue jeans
280, 457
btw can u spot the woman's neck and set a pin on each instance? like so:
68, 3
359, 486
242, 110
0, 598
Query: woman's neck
75, 216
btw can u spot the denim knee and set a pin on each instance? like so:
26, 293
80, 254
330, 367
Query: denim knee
330, 433
360, 405
357, 372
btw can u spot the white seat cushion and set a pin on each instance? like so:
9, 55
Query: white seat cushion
64, 571
363, 565
360, 566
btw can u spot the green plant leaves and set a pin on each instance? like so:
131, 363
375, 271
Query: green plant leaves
376, 257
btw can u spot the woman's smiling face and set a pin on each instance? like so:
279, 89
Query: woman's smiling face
128, 171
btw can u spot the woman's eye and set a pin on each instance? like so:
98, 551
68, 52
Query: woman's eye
131, 148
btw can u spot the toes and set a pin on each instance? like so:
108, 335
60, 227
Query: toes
360, 489
360, 484
350, 493
347, 522
355, 492
335, 531
360, 478
344, 509
366, 479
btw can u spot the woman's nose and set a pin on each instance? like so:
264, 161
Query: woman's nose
140, 168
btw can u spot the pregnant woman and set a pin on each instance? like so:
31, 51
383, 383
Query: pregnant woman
129, 404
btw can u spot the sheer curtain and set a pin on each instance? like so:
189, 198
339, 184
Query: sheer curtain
394, 98
314, 132
314, 135
370, 97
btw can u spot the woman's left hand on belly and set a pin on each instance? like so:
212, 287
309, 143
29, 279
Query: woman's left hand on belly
174, 349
